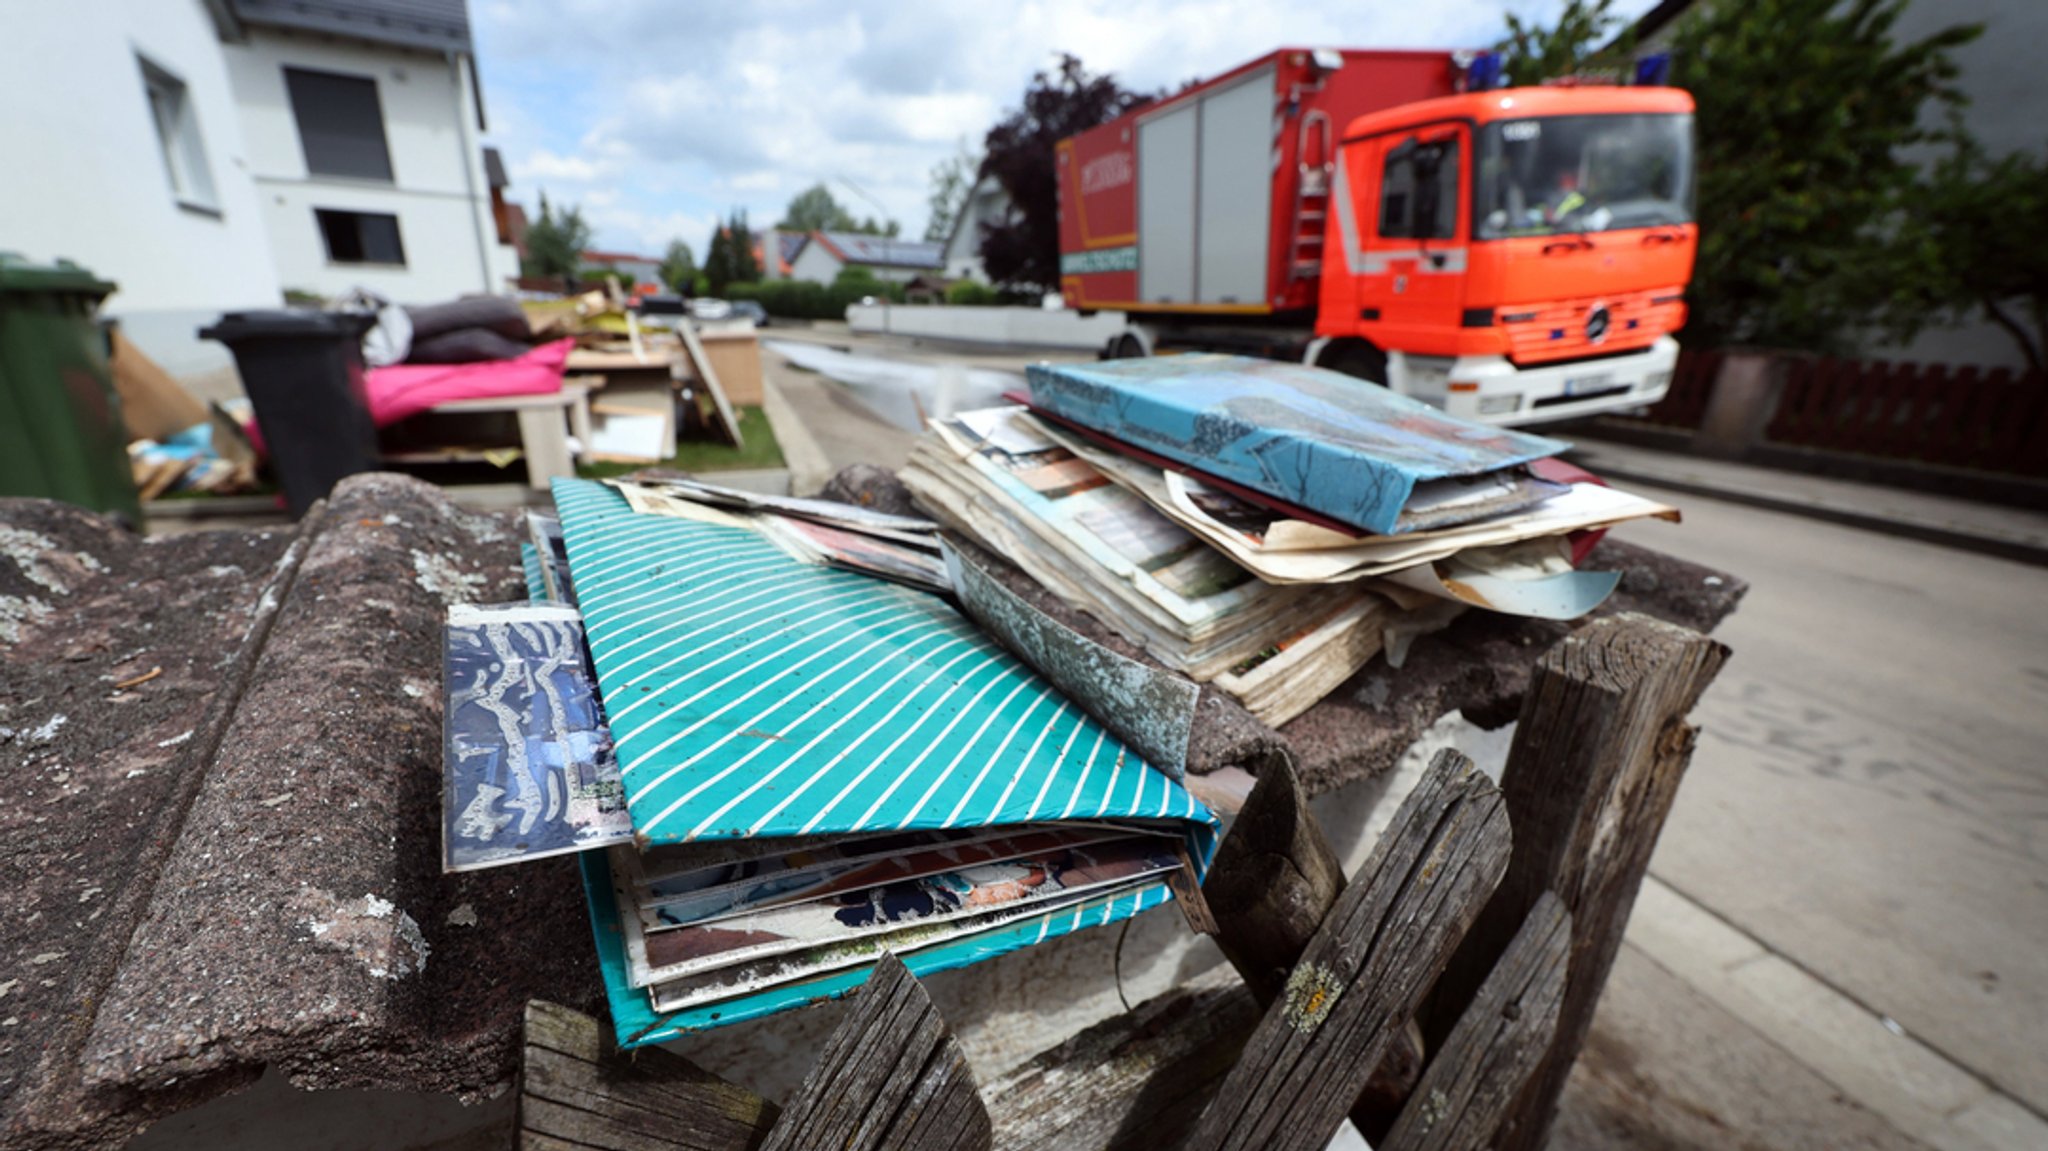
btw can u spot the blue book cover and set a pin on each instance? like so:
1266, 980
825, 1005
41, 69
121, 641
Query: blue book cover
1350, 450
753, 696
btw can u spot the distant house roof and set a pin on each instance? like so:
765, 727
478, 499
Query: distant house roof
791, 243
593, 256
434, 25
883, 251
494, 169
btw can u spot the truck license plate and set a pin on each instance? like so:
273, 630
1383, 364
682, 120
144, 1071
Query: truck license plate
1580, 385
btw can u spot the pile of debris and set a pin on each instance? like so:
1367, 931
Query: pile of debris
786, 737
1280, 527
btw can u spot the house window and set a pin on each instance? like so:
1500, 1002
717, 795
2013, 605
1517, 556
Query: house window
341, 125
360, 237
177, 137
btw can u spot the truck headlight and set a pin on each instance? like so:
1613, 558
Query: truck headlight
1500, 405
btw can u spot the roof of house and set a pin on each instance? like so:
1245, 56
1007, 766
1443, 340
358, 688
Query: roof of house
791, 243
883, 251
494, 168
593, 256
435, 25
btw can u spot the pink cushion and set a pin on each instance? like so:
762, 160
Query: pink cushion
403, 390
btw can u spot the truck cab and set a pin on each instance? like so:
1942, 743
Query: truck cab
1512, 255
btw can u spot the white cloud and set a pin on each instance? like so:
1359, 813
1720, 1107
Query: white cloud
659, 116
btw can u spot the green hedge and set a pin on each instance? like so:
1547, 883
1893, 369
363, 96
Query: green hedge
973, 294
803, 300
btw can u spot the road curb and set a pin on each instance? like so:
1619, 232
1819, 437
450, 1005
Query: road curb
809, 469
2019, 549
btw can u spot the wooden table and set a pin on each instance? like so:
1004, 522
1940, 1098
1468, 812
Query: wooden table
543, 435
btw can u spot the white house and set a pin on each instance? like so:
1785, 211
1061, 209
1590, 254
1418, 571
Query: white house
123, 151
825, 254
361, 119
986, 203
207, 155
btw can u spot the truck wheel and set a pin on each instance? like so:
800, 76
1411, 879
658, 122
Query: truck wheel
1126, 347
1355, 358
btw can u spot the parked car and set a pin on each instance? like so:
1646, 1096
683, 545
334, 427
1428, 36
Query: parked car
752, 310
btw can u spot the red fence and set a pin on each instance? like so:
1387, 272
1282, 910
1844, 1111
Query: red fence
1925, 412
1961, 417
1691, 383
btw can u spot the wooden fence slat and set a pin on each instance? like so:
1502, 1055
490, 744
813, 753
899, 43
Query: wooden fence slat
1919, 436
1134, 1082
574, 1090
1962, 425
1596, 761
1365, 972
1791, 401
1499, 1041
2005, 425
2031, 457
891, 1075
1886, 413
1273, 881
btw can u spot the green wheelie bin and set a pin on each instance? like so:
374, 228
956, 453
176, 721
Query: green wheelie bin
61, 435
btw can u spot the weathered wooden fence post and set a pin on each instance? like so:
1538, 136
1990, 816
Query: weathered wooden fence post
576, 1093
1366, 970
1274, 880
1500, 1040
1595, 765
892, 1076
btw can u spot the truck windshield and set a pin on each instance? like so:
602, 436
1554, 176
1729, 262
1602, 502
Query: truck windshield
1574, 174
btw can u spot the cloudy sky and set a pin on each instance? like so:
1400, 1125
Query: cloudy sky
657, 118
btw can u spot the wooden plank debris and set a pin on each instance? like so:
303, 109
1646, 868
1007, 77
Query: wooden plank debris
707, 378
1595, 765
1475, 1078
1274, 879
1133, 1082
1367, 968
892, 1075
574, 1091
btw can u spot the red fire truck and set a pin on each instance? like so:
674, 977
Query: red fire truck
1509, 254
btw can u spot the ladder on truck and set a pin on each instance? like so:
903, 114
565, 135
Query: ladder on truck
1314, 165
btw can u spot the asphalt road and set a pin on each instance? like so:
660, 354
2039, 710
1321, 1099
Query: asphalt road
1869, 797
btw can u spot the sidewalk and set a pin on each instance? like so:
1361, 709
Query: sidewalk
2012, 533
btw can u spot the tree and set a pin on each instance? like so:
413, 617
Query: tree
1532, 53
679, 267
1805, 200
1023, 250
816, 210
730, 257
1984, 228
555, 243
952, 179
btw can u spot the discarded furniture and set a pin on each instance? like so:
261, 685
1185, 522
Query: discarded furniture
546, 421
